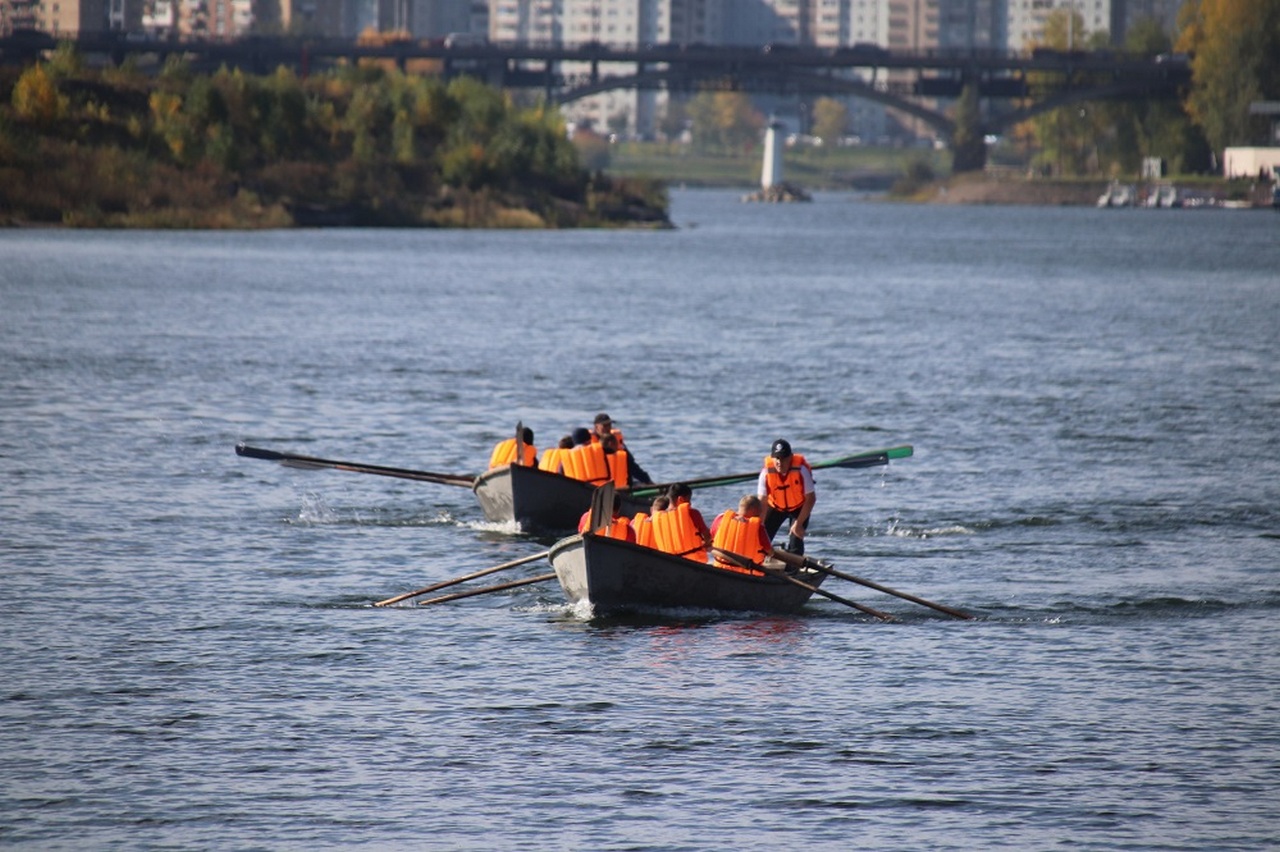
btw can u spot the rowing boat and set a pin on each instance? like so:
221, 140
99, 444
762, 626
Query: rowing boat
614, 575
539, 499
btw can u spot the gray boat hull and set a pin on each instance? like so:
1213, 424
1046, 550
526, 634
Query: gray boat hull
615, 575
537, 499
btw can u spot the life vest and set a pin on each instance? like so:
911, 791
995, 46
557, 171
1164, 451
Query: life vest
786, 493
643, 525
674, 532
617, 433
619, 528
552, 459
505, 453
586, 462
617, 462
739, 535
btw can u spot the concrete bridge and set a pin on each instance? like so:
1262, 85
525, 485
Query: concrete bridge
1016, 86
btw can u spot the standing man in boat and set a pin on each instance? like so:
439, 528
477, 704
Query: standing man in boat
602, 426
786, 488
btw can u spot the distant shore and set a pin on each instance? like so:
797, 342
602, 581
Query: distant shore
1195, 192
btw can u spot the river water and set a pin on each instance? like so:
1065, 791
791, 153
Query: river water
189, 654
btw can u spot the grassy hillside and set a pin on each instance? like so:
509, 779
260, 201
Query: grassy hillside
811, 168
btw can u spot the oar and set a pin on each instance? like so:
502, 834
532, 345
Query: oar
456, 580
313, 463
541, 578
795, 581
827, 569
870, 458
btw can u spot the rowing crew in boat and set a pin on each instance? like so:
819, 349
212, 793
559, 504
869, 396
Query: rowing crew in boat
595, 457
673, 526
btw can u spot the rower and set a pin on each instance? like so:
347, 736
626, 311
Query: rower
506, 453
601, 427
741, 533
619, 526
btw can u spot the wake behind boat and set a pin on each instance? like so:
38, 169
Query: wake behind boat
615, 576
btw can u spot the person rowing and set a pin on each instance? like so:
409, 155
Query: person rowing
786, 488
601, 428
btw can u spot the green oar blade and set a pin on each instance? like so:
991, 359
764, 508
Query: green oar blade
869, 458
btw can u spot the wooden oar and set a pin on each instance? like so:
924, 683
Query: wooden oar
870, 458
795, 581
456, 580
313, 463
541, 578
827, 569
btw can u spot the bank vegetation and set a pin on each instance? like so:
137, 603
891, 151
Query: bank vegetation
112, 147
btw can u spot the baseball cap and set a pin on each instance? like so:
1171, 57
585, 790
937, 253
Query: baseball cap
781, 449
603, 418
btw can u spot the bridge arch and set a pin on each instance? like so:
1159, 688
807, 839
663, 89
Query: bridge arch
671, 79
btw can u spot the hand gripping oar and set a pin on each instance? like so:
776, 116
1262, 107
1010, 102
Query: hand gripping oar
795, 581
870, 458
827, 569
456, 580
541, 578
313, 463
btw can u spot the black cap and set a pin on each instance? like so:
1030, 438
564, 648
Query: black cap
781, 449
603, 418
581, 435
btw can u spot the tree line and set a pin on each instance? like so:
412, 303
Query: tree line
1232, 47
356, 145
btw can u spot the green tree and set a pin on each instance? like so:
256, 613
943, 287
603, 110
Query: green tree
725, 120
830, 120
968, 142
1075, 139
1236, 60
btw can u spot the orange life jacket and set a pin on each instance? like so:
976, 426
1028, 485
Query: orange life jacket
739, 535
505, 453
786, 493
643, 525
617, 462
619, 528
674, 532
617, 433
552, 459
586, 462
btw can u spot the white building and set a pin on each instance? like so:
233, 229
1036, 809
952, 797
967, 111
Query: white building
1026, 20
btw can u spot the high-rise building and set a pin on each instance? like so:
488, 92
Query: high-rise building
1027, 19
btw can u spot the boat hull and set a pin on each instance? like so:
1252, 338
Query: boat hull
616, 575
538, 499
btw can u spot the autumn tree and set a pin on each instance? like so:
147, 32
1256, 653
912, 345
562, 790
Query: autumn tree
727, 120
830, 120
1072, 138
1235, 48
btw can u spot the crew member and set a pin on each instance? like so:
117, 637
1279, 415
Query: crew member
741, 533
602, 426
618, 527
786, 488
679, 493
505, 451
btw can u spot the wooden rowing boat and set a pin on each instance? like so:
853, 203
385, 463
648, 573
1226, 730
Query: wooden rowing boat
616, 575
539, 499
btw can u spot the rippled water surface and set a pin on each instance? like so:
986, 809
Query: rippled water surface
189, 658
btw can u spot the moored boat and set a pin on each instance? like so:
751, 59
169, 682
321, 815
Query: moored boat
539, 499
614, 575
